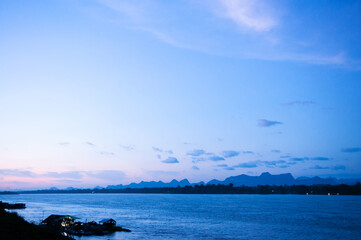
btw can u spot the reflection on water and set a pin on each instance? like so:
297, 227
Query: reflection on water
165, 216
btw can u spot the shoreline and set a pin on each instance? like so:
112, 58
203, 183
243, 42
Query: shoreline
15, 227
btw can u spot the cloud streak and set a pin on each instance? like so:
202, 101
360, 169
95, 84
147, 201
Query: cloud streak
248, 14
253, 164
155, 149
196, 152
170, 160
267, 123
299, 103
216, 158
230, 153
351, 150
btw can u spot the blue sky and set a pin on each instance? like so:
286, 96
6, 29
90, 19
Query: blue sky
105, 92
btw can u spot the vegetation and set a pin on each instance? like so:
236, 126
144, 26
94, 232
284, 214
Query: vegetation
341, 189
14, 227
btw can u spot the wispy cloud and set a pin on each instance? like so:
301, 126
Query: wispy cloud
155, 149
351, 150
222, 165
170, 160
89, 144
127, 147
248, 14
253, 164
17, 173
276, 151
339, 167
195, 168
256, 30
336, 168
216, 158
267, 123
229, 168
299, 103
198, 159
225, 167
64, 143
297, 159
248, 152
318, 167
71, 174
107, 175
169, 152
230, 153
320, 159
196, 152
107, 153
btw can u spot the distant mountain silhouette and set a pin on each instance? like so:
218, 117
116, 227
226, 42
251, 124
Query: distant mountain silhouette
264, 179
152, 184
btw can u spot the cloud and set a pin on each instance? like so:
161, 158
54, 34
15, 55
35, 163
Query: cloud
318, 167
196, 152
351, 150
156, 173
90, 144
285, 156
64, 143
109, 175
195, 168
225, 167
248, 14
127, 147
198, 159
170, 160
229, 168
159, 156
276, 151
222, 165
248, 152
256, 36
71, 174
298, 159
169, 152
107, 153
157, 149
267, 123
17, 173
336, 168
247, 165
230, 153
299, 103
307, 158
216, 158
273, 163
320, 159
339, 167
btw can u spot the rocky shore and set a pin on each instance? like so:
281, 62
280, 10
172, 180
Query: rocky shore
54, 227
14, 227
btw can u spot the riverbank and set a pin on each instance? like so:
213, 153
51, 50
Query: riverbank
14, 227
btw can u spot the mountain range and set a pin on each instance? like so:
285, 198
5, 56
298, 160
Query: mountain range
264, 179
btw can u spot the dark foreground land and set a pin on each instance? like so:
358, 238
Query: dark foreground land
14, 227
341, 189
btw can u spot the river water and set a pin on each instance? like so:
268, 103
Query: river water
178, 216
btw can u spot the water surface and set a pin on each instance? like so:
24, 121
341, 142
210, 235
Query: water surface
177, 216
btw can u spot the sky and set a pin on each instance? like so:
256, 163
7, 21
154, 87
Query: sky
99, 92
